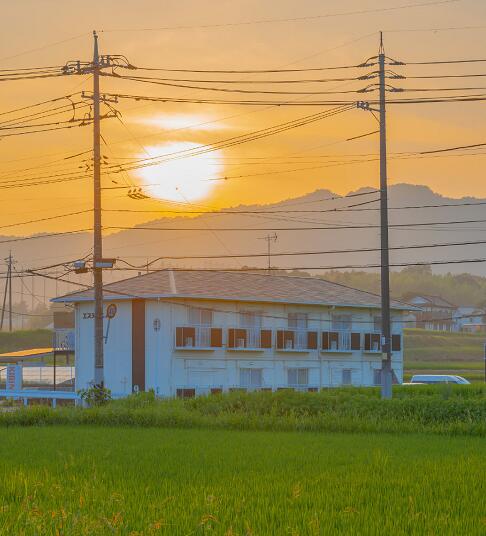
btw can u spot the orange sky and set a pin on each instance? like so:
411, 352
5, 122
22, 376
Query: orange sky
156, 128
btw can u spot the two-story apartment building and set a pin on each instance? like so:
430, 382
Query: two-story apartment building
194, 332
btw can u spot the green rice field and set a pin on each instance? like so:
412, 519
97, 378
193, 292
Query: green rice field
441, 352
140, 481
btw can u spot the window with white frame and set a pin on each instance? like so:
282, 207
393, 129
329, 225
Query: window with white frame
250, 319
298, 376
251, 377
341, 322
297, 320
377, 323
200, 317
347, 377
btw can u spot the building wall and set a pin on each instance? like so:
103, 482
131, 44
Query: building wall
168, 369
117, 347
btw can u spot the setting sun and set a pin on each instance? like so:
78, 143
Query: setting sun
182, 180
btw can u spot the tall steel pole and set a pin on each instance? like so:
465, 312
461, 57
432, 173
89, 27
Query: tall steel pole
97, 246
386, 369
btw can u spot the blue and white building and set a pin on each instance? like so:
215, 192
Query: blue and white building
190, 332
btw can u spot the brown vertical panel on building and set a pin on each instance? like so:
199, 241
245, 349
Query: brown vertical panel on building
266, 338
216, 337
179, 337
231, 338
367, 344
138, 344
325, 340
280, 339
355, 341
396, 343
312, 340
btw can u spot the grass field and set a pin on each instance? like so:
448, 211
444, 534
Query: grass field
102, 480
24, 339
438, 352
444, 409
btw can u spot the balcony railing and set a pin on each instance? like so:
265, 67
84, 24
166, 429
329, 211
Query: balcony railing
372, 342
198, 337
286, 340
249, 339
296, 340
340, 341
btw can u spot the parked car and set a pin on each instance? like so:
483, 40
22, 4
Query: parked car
438, 378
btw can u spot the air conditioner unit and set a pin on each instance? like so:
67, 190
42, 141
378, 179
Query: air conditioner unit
289, 344
189, 341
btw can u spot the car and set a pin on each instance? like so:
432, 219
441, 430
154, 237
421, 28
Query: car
438, 378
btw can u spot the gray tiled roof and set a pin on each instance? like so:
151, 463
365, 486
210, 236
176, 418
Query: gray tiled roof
235, 286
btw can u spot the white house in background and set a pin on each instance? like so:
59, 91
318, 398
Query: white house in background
193, 332
469, 319
433, 312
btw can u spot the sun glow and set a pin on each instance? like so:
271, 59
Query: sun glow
185, 179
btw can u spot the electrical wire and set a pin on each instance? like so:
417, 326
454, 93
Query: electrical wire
333, 228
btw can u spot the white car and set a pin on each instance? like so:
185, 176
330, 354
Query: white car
438, 378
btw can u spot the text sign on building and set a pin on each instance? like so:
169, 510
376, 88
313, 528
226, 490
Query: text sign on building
14, 378
111, 311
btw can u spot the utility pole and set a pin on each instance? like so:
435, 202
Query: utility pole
386, 369
22, 298
7, 280
10, 262
269, 239
97, 246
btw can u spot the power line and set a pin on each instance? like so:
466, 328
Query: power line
347, 208
287, 19
333, 228
299, 253
297, 268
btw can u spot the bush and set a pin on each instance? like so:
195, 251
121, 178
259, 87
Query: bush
96, 395
425, 409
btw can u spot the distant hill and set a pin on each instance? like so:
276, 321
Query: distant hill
138, 245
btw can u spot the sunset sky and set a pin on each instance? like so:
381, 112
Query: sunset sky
45, 33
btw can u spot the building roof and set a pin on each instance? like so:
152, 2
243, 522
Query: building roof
18, 356
234, 286
434, 301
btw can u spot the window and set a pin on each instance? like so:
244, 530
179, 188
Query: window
347, 377
250, 319
341, 322
297, 320
377, 376
200, 317
250, 377
298, 376
377, 323
185, 393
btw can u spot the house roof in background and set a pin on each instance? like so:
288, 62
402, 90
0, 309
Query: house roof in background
234, 286
436, 301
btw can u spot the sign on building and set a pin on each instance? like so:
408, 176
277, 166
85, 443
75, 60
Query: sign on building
14, 378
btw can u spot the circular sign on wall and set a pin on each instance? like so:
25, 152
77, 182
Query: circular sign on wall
111, 311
